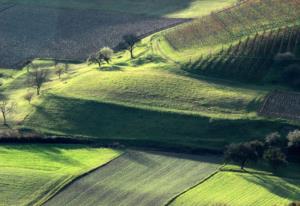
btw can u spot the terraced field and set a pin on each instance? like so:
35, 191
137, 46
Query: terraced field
138, 178
27, 32
30, 174
234, 188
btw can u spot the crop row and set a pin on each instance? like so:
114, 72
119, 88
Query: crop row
250, 59
282, 104
236, 22
29, 32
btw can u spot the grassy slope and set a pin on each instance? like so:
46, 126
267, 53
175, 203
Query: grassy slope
167, 8
237, 188
30, 174
151, 103
138, 178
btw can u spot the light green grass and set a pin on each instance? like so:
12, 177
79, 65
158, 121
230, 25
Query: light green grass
30, 174
142, 102
166, 8
138, 178
242, 189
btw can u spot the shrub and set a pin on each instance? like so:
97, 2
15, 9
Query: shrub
294, 143
291, 75
275, 157
275, 140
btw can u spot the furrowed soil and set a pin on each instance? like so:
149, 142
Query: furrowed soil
138, 178
28, 32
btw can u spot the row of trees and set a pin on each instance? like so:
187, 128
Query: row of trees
274, 150
105, 54
37, 76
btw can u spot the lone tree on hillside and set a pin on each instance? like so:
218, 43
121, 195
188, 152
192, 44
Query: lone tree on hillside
275, 157
129, 42
28, 96
241, 154
38, 77
59, 70
6, 108
105, 54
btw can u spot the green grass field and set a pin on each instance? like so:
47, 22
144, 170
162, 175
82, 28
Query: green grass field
142, 102
166, 8
247, 189
31, 174
138, 178
146, 102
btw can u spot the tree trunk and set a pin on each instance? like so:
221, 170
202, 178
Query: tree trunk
243, 164
38, 91
131, 52
99, 64
4, 118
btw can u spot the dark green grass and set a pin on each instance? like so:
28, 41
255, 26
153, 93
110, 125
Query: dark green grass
106, 121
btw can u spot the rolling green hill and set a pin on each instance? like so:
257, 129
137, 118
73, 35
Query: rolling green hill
165, 98
31, 174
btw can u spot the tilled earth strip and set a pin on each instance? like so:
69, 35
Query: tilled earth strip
138, 178
282, 104
28, 32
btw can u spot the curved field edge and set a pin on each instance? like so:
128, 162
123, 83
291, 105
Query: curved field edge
31, 174
68, 182
167, 8
138, 178
237, 188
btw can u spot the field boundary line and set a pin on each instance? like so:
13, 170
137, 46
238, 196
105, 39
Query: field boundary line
169, 202
266, 99
73, 179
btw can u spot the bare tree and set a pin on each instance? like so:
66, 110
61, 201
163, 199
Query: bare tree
66, 67
28, 96
6, 108
95, 59
59, 70
129, 42
105, 54
38, 78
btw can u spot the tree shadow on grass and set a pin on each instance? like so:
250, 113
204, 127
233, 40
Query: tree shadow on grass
143, 128
148, 59
51, 152
282, 187
109, 68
